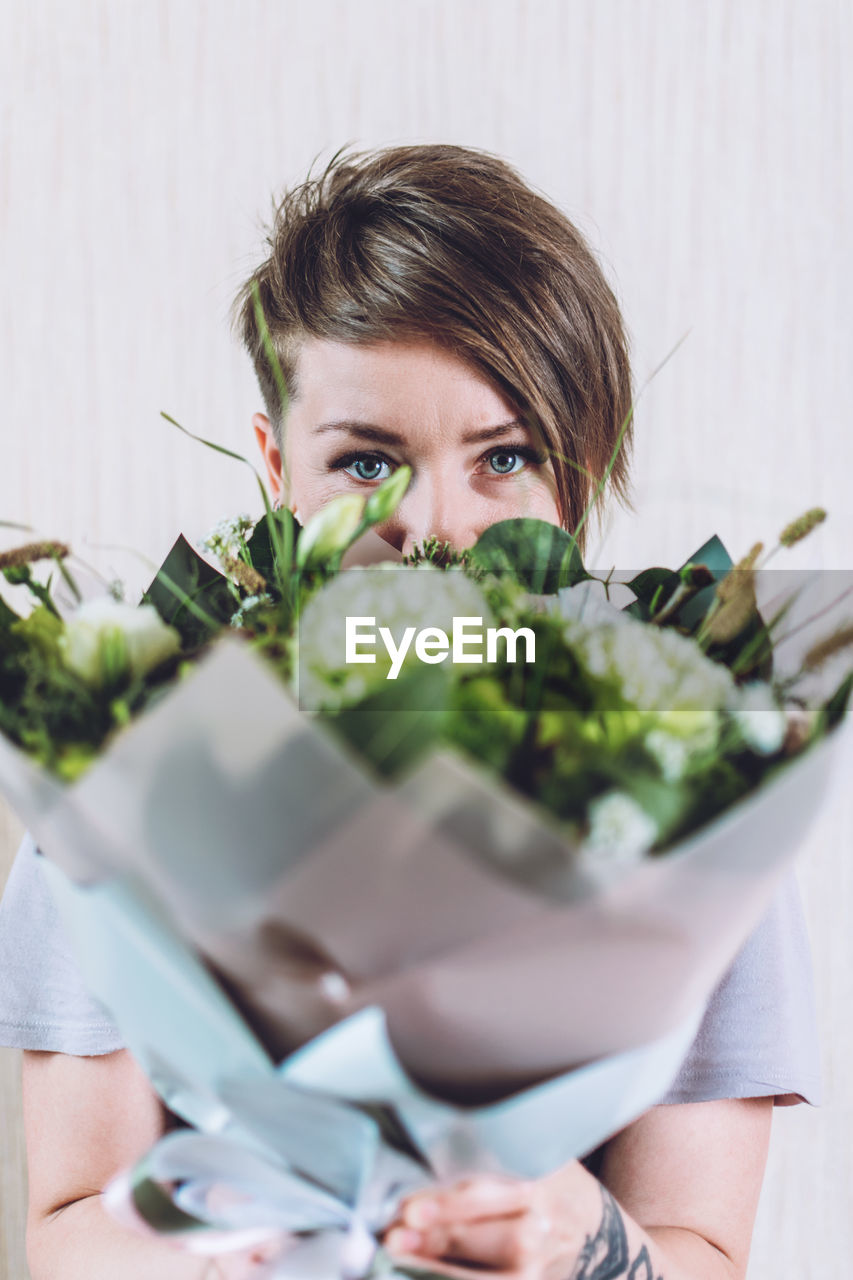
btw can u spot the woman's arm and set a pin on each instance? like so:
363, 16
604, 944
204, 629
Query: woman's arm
85, 1120
677, 1200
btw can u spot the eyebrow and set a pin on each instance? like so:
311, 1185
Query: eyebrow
369, 431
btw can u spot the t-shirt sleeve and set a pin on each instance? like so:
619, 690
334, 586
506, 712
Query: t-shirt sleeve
44, 1002
759, 1035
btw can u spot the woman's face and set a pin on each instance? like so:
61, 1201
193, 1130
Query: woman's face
362, 411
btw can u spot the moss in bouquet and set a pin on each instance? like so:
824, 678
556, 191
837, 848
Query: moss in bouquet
441, 554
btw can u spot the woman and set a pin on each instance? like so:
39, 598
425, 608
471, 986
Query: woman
427, 307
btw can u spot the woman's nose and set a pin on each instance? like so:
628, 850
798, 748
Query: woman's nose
431, 508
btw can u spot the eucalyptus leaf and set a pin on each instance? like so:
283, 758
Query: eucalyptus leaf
539, 556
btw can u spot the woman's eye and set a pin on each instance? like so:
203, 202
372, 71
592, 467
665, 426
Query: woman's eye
505, 461
368, 467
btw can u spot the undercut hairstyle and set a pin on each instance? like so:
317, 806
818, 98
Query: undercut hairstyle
449, 244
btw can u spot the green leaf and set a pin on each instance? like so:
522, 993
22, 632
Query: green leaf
540, 556
7, 615
190, 595
395, 726
42, 630
666, 802
717, 560
652, 587
835, 707
262, 551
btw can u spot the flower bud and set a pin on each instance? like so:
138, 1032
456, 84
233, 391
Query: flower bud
245, 575
384, 501
330, 531
825, 649
802, 526
31, 552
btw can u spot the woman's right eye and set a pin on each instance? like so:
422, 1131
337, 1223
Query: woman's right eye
366, 466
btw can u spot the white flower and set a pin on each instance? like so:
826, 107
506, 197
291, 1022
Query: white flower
671, 753
620, 832
659, 671
251, 602
145, 640
397, 596
226, 538
761, 721
587, 602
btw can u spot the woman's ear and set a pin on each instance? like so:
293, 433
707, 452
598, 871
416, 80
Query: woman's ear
268, 445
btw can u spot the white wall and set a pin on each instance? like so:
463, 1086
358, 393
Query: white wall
704, 146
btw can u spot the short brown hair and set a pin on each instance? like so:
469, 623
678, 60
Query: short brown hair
449, 243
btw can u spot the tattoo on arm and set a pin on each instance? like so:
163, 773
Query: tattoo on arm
604, 1256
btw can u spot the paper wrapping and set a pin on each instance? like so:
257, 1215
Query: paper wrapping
431, 956
313, 890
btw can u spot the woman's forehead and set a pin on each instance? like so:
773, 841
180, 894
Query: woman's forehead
386, 383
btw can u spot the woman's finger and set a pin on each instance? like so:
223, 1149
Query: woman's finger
449, 1269
486, 1196
505, 1243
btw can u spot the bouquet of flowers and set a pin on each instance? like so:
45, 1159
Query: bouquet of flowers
325, 836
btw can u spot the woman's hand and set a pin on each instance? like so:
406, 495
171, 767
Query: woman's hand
534, 1229
687, 1178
